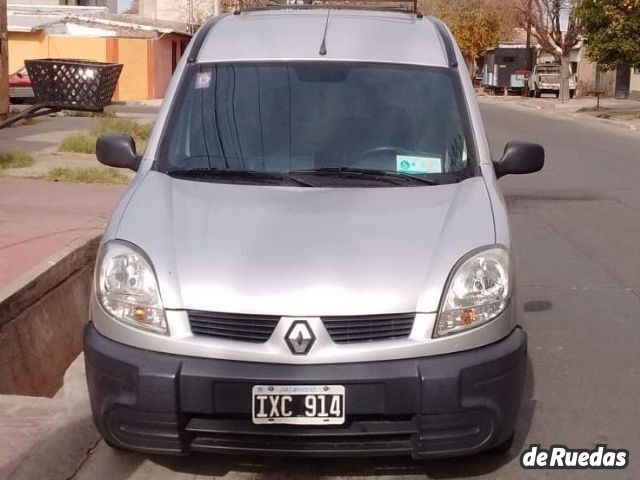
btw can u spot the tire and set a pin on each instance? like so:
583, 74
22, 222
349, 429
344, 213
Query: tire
557, 94
572, 93
504, 447
538, 93
531, 93
114, 446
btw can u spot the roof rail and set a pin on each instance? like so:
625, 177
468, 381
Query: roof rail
408, 6
447, 41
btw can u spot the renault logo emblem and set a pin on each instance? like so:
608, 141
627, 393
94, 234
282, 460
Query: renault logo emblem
300, 337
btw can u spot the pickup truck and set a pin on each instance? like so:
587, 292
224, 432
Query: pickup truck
546, 78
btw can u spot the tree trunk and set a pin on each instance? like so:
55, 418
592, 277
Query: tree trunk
473, 68
470, 63
565, 75
623, 81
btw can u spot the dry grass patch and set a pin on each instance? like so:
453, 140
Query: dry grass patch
592, 109
78, 143
15, 159
86, 142
103, 175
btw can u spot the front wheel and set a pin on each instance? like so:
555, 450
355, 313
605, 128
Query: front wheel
572, 93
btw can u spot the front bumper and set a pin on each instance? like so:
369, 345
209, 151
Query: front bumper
553, 88
442, 406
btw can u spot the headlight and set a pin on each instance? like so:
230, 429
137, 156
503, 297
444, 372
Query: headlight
127, 288
477, 292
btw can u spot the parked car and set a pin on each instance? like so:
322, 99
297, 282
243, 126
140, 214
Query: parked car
314, 257
546, 78
20, 85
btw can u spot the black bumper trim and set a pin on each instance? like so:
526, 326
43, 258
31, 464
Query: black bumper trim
448, 405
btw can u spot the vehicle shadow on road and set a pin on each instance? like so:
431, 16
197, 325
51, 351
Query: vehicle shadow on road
291, 468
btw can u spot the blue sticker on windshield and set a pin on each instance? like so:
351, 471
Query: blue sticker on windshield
418, 165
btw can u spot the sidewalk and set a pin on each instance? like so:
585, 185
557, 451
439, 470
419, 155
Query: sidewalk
47, 437
37, 218
622, 113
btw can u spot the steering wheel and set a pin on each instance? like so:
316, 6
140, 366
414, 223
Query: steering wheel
383, 149
369, 158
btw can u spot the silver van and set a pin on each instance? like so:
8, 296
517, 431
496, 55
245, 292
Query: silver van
314, 256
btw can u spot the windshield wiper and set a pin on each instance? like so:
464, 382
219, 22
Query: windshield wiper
235, 174
351, 171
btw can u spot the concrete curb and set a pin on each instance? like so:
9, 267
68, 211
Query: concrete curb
20, 293
606, 121
557, 112
62, 444
41, 319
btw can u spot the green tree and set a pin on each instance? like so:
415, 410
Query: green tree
612, 31
612, 36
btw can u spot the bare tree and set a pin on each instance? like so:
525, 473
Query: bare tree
557, 30
133, 8
193, 12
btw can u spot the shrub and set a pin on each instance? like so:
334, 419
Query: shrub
86, 142
15, 159
86, 175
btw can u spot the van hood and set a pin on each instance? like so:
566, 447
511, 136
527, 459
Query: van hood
292, 251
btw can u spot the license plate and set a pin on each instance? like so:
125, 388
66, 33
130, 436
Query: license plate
298, 404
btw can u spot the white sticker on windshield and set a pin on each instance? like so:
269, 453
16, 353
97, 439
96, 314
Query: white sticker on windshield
203, 79
411, 164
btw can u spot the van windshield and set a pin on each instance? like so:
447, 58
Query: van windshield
318, 124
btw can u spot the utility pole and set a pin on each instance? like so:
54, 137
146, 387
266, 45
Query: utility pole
216, 7
4, 62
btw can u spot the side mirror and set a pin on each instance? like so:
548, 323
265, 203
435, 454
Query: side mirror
117, 150
520, 158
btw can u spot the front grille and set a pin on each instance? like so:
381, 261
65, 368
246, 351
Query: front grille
243, 328
258, 328
387, 436
369, 328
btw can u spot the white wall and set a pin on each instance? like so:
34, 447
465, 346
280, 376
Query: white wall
635, 80
176, 10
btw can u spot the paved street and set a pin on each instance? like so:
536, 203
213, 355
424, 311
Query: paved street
576, 227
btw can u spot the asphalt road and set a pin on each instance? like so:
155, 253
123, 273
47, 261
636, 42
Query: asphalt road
576, 227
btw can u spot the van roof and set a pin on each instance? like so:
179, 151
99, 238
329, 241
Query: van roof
352, 35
